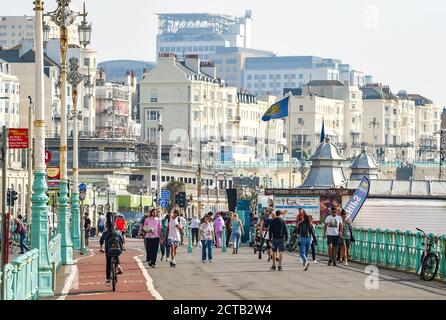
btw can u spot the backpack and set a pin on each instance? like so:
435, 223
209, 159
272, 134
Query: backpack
114, 248
22, 228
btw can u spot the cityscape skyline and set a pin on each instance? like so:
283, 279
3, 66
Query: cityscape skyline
364, 29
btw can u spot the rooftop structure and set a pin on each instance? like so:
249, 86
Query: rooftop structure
364, 165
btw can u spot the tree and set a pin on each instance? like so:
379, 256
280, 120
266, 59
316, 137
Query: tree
174, 187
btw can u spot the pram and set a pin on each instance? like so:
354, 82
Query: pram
257, 242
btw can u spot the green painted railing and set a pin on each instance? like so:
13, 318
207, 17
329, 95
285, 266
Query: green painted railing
55, 251
396, 250
21, 281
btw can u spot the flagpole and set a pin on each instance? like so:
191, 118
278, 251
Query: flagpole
290, 150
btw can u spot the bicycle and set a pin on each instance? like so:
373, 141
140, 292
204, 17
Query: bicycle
294, 239
429, 260
114, 266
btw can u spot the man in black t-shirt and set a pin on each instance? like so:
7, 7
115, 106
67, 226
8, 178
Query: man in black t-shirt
278, 234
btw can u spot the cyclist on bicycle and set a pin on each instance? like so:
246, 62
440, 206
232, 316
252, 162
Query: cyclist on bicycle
111, 234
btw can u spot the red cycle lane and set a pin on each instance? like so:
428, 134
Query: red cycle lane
89, 281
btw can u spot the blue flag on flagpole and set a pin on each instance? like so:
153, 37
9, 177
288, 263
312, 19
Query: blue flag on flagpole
323, 132
277, 110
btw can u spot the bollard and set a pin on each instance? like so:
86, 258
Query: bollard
189, 237
223, 239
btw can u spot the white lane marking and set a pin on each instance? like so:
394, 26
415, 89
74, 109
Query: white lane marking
149, 281
73, 275
68, 282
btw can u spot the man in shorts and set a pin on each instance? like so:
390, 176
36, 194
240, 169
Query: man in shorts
279, 235
174, 236
333, 229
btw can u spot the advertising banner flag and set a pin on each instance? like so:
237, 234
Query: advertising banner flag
357, 200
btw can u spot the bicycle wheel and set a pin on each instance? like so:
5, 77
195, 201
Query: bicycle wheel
429, 267
293, 244
114, 274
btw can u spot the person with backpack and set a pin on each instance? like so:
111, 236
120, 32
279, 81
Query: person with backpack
264, 226
152, 231
278, 234
113, 241
121, 225
306, 232
21, 231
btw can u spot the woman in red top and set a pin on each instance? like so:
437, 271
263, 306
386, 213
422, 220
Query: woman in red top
121, 225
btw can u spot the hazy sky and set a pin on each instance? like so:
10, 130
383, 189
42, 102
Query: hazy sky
400, 42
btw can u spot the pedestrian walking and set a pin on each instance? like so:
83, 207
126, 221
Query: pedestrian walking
152, 232
278, 234
20, 229
87, 229
195, 225
332, 231
346, 239
174, 236
236, 233
305, 231
313, 242
264, 226
183, 225
228, 221
218, 228
164, 246
206, 237
101, 223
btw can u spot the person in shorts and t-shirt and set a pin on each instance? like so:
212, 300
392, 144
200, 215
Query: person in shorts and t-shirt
174, 236
333, 228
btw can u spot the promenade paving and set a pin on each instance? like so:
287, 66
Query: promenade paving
239, 277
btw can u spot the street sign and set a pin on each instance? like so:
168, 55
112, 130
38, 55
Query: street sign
18, 138
53, 172
164, 203
53, 185
164, 199
47, 156
82, 187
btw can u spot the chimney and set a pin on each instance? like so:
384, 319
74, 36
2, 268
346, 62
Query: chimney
144, 73
209, 68
128, 78
192, 62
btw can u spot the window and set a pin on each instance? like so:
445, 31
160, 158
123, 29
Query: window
231, 61
152, 115
249, 77
151, 134
86, 62
196, 95
153, 177
301, 108
163, 178
394, 111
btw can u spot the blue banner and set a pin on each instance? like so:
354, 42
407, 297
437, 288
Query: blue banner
357, 200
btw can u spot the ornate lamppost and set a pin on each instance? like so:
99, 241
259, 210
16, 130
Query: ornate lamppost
64, 17
39, 234
74, 79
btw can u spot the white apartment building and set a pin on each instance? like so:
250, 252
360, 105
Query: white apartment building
10, 116
427, 126
14, 30
307, 114
197, 108
389, 124
202, 33
353, 111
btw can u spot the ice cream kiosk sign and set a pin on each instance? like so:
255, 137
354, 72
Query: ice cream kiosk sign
292, 204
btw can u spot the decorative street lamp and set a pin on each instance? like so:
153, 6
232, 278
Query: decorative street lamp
64, 17
39, 234
74, 79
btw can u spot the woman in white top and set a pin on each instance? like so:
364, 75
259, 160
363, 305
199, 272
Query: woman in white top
195, 225
206, 236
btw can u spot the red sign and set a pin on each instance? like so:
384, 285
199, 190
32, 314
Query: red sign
47, 156
18, 138
53, 172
